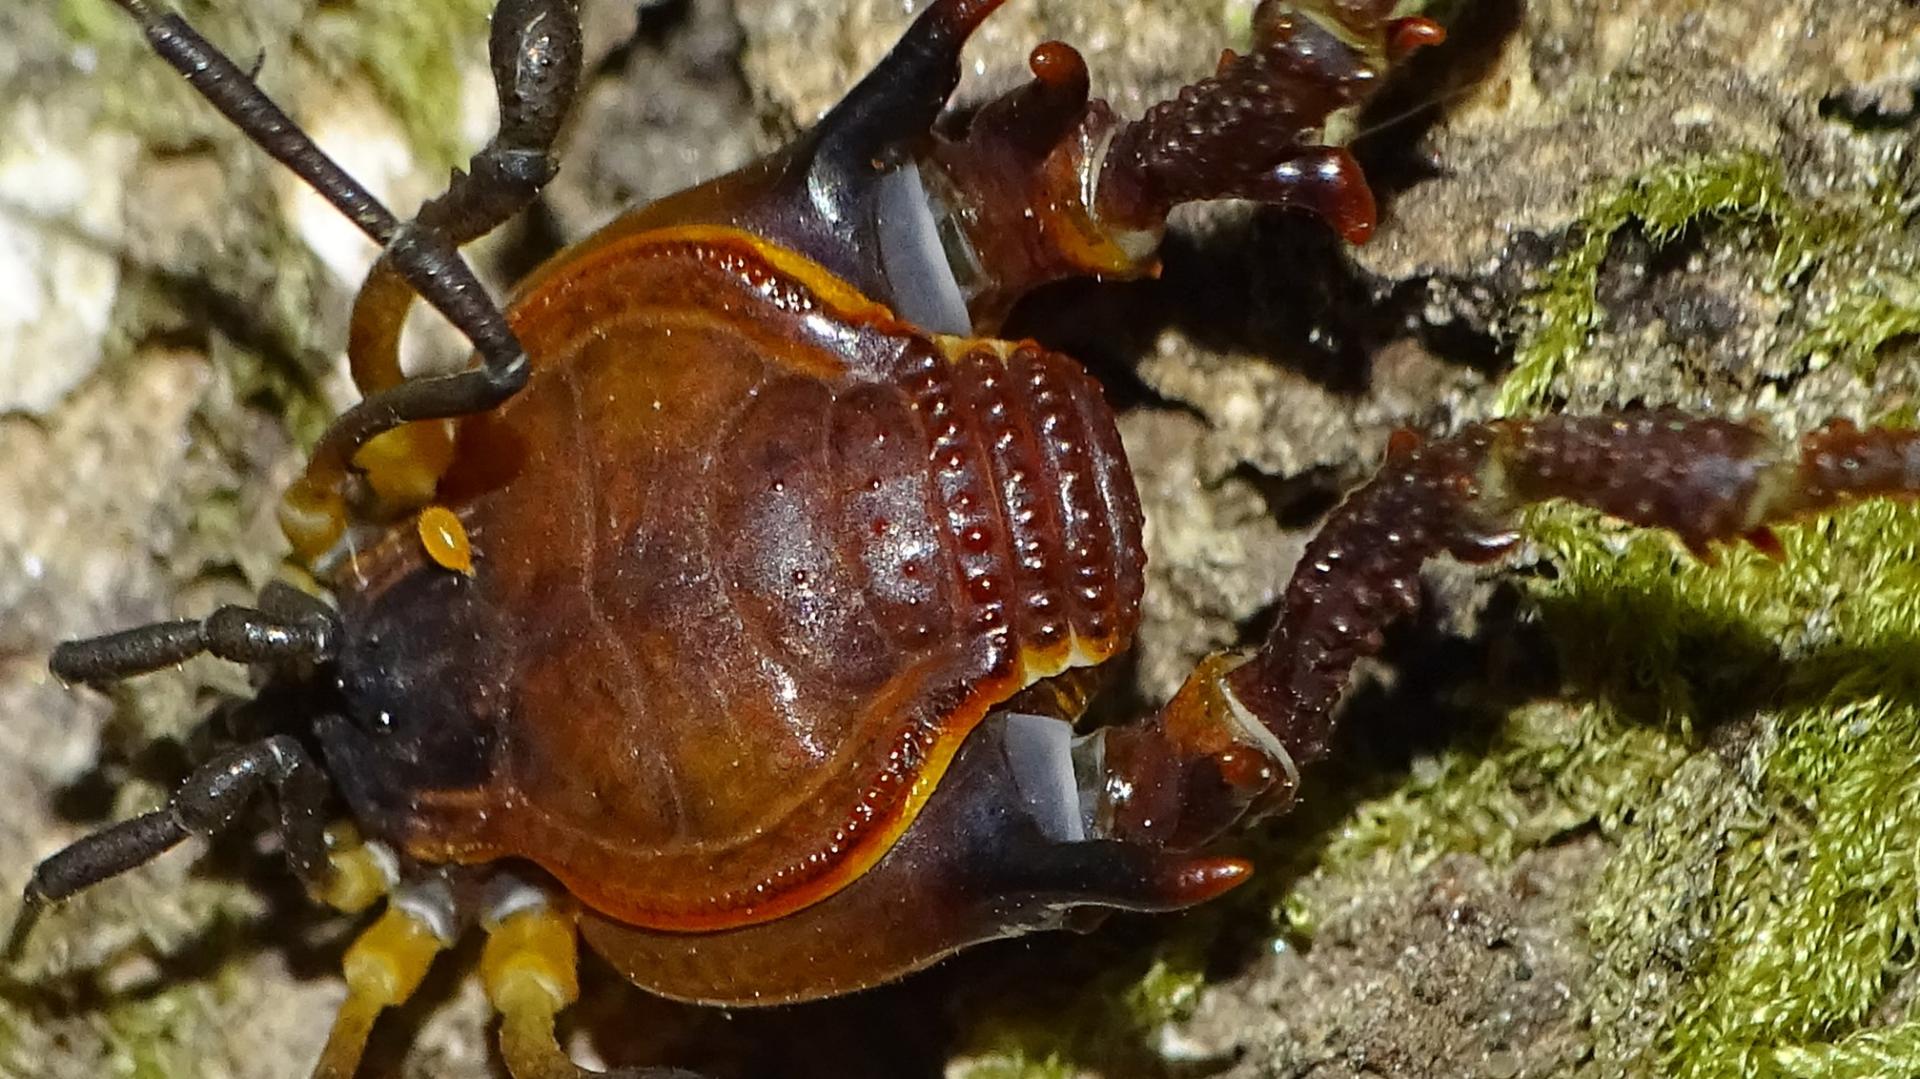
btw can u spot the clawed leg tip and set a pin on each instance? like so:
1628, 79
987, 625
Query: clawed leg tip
1328, 182
21, 930
1203, 879
967, 15
1407, 36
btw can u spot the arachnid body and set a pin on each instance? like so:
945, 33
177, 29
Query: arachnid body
737, 616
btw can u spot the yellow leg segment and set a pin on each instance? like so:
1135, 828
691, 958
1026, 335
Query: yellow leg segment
358, 875
382, 969
387, 962
403, 466
530, 969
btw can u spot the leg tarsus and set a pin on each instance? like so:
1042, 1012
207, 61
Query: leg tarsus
443, 278
1705, 480
424, 257
1244, 133
107, 853
535, 49
1047, 184
114, 656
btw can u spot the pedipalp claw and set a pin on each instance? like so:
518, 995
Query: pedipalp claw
1407, 36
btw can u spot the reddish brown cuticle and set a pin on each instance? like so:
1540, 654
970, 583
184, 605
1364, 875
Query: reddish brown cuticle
763, 571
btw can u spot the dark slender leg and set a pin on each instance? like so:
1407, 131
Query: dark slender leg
1230, 741
240, 634
283, 601
206, 803
535, 49
423, 257
535, 52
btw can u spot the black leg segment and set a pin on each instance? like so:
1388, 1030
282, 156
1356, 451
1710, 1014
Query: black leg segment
535, 51
206, 803
430, 263
240, 634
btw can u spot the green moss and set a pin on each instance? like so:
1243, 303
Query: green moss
152, 1038
1746, 731
1763, 893
1025, 1043
1817, 913
174, 1031
412, 55
1106, 1022
1881, 309
1868, 1054
1169, 991
1739, 729
90, 21
1793, 864
1545, 772
1565, 311
1012, 1061
1812, 900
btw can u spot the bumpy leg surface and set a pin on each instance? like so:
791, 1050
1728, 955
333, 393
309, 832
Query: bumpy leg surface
1231, 741
1265, 126
1047, 183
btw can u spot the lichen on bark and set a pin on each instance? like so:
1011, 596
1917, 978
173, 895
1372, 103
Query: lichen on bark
1610, 812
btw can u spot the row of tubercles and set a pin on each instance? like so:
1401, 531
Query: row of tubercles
961, 484
1058, 551
1029, 530
963, 487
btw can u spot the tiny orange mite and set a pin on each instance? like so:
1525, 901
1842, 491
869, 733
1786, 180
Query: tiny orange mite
445, 540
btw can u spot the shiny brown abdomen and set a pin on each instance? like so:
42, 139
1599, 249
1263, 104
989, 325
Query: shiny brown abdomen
752, 559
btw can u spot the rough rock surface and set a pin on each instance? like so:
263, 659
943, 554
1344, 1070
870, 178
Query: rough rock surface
170, 319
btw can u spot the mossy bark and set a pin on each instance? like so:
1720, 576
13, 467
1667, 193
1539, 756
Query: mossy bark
1610, 811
